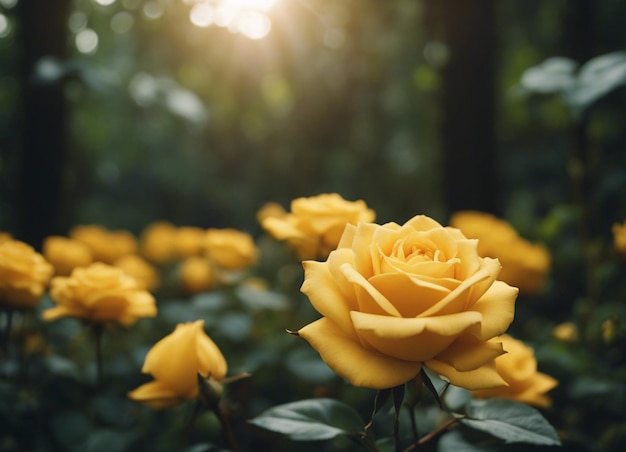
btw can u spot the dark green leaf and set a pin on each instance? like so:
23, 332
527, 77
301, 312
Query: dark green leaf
511, 421
382, 396
311, 420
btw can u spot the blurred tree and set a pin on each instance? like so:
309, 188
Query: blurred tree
468, 90
43, 141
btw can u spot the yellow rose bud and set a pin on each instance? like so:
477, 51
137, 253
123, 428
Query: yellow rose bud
619, 237
24, 275
230, 249
396, 298
145, 274
518, 367
106, 246
524, 264
66, 254
315, 224
566, 332
175, 362
99, 293
157, 242
196, 275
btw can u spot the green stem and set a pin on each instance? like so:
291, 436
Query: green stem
227, 429
424, 439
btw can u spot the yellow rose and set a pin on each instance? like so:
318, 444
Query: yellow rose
175, 362
619, 237
315, 224
524, 265
5, 237
566, 332
24, 275
66, 254
188, 241
106, 246
230, 249
518, 367
99, 293
196, 275
270, 210
157, 242
145, 274
395, 298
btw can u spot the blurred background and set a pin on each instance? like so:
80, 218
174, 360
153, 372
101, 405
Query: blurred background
122, 112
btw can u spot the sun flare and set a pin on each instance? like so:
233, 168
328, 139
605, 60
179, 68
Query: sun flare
248, 17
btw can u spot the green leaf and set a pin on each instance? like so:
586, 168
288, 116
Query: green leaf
554, 75
311, 420
511, 421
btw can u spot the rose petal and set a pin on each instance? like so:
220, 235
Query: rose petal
497, 306
324, 294
211, 361
370, 299
422, 223
415, 339
155, 394
361, 367
484, 377
468, 353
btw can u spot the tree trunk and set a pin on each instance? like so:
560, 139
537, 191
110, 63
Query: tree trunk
469, 177
43, 141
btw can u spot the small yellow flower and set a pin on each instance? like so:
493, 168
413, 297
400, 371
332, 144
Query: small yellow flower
315, 224
196, 275
619, 237
99, 293
24, 275
189, 241
145, 274
518, 367
66, 254
524, 265
230, 249
106, 246
566, 332
175, 362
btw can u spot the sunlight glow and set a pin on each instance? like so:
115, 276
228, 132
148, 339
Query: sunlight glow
105, 2
87, 41
248, 17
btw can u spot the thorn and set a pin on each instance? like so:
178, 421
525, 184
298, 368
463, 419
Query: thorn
293, 333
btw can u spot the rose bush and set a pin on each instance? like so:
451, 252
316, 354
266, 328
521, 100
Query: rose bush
24, 275
99, 293
175, 361
315, 224
230, 249
524, 265
394, 298
518, 367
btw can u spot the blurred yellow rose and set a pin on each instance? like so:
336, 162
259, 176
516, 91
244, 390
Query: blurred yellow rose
99, 293
619, 237
189, 241
145, 274
566, 332
270, 210
5, 236
518, 367
66, 254
105, 245
524, 265
230, 249
395, 298
175, 361
196, 275
24, 275
315, 224
157, 242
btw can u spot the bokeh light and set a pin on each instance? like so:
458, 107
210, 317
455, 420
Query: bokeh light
87, 41
105, 2
122, 22
247, 17
5, 26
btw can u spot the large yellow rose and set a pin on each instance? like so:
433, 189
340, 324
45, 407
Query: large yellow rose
99, 293
395, 298
230, 249
518, 367
66, 254
175, 362
315, 224
524, 265
105, 245
24, 274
